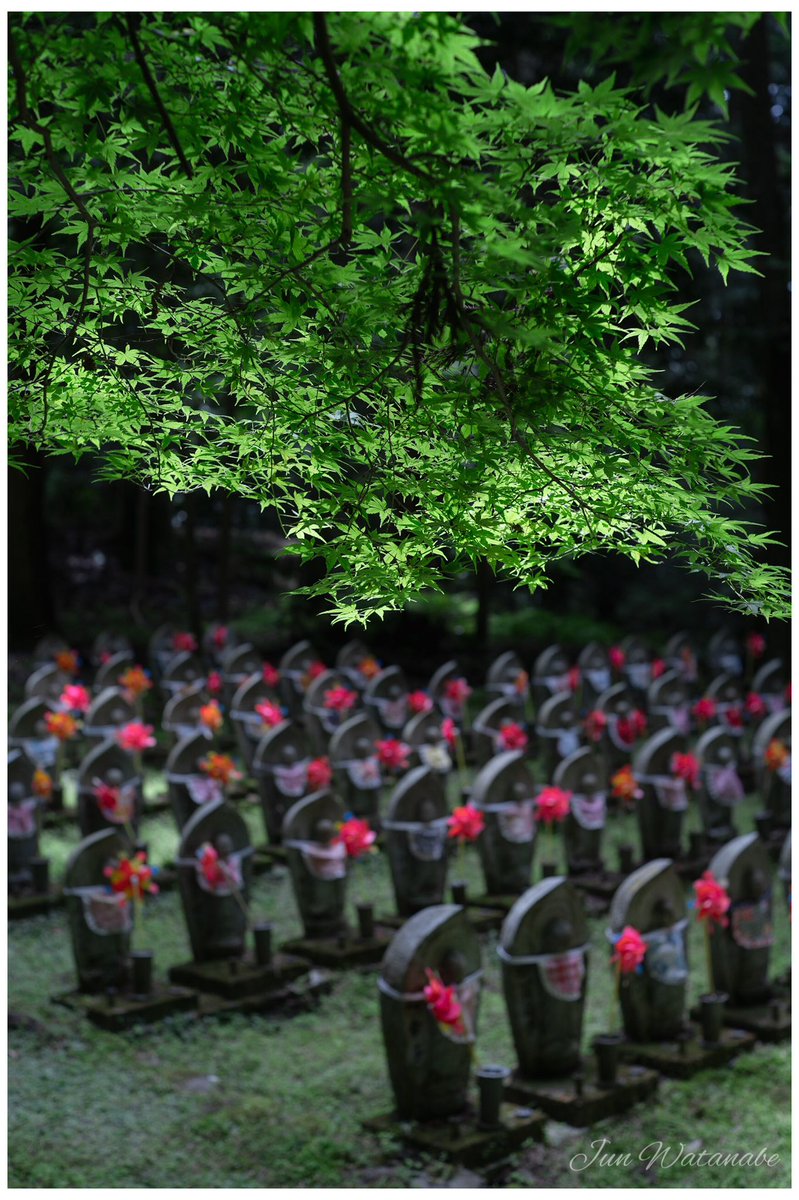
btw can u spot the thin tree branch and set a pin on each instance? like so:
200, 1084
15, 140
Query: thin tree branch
132, 22
349, 115
28, 118
346, 183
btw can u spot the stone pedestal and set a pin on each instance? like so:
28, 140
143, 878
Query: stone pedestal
461, 1138
117, 1011
25, 902
585, 1101
766, 1022
342, 950
238, 979
684, 1057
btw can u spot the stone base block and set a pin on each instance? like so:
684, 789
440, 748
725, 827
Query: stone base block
123, 1009
461, 1139
301, 995
683, 1059
33, 904
235, 979
768, 1022
349, 950
562, 1100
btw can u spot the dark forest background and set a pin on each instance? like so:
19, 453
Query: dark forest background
85, 556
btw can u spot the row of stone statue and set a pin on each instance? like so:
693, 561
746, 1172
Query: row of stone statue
281, 758
544, 956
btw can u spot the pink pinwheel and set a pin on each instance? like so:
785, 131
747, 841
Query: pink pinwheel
75, 698
136, 737
393, 754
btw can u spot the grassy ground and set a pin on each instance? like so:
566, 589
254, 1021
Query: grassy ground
271, 1102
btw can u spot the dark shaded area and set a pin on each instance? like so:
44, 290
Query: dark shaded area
85, 555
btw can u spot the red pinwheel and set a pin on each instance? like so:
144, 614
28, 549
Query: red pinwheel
356, 835
552, 805
630, 951
512, 736
136, 737
712, 900
393, 754
466, 824
443, 1003
320, 774
686, 766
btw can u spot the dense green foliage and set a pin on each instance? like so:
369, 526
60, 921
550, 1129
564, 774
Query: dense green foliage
334, 266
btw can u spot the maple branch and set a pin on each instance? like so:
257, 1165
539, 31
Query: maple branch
131, 21
28, 118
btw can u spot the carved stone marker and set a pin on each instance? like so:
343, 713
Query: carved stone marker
188, 786
722, 790
429, 1068
415, 833
771, 758
637, 668
543, 949
724, 653
280, 764
321, 715
100, 922
349, 661
213, 911
182, 712
356, 766
438, 688
161, 648
663, 806
507, 678
109, 671
669, 704
109, 711
595, 673
46, 683
109, 791
318, 864
23, 822
28, 731
584, 774
239, 663
741, 950
386, 696
652, 901
726, 692
504, 790
487, 729
550, 675
771, 682
558, 727
182, 671
294, 675
429, 1065
680, 655
423, 734
247, 722
101, 926
214, 872
617, 741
